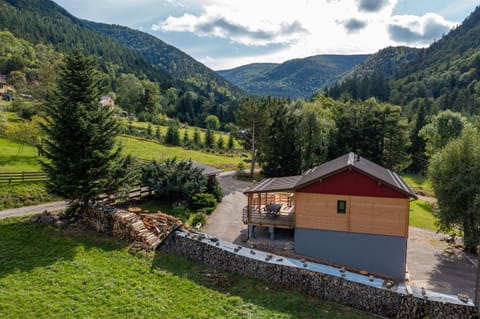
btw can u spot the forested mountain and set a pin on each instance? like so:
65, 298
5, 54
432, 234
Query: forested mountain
443, 76
447, 73
190, 91
179, 64
386, 62
293, 78
43, 21
243, 75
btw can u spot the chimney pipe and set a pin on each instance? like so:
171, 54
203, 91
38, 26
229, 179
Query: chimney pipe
358, 155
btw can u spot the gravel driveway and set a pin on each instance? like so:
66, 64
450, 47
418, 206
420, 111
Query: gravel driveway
35, 209
226, 221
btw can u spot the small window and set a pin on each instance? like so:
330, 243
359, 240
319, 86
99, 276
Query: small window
341, 206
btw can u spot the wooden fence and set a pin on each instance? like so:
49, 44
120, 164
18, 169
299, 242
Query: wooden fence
131, 195
22, 177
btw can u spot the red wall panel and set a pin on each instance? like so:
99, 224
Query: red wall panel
351, 183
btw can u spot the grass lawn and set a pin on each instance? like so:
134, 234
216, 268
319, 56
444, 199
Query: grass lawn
19, 195
150, 150
420, 184
17, 157
421, 215
51, 273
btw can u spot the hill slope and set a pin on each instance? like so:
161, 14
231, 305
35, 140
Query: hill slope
386, 61
293, 78
179, 64
446, 73
43, 21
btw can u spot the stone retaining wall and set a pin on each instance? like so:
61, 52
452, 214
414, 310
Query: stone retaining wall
381, 301
350, 291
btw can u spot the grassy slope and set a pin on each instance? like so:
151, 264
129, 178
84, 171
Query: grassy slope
189, 129
49, 273
19, 195
17, 157
150, 150
421, 215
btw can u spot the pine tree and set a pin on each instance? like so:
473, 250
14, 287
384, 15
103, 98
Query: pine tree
186, 138
231, 142
196, 137
158, 134
209, 139
220, 143
80, 144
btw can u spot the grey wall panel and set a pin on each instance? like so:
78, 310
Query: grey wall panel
375, 253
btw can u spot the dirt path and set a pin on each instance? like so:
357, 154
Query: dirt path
35, 209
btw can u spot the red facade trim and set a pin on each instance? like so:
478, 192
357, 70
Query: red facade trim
351, 182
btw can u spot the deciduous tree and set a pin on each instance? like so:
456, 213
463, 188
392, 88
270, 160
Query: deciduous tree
454, 172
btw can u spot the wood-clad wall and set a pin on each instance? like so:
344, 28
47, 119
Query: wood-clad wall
370, 215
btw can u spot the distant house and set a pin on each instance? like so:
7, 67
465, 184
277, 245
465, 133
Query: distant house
349, 211
107, 101
4, 86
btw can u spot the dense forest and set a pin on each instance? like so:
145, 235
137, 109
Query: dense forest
189, 98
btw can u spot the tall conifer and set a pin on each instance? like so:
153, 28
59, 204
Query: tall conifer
83, 160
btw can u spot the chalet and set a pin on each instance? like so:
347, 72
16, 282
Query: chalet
107, 101
349, 211
4, 86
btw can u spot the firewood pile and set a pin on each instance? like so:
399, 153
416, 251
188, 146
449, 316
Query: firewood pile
160, 224
146, 230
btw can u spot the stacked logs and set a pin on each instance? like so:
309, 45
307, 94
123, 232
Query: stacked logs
146, 230
160, 224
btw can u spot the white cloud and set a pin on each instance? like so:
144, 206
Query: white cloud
307, 27
415, 30
221, 27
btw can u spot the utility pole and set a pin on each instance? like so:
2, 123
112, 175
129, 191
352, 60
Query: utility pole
477, 285
254, 121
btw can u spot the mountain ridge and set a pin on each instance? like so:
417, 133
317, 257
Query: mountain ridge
300, 77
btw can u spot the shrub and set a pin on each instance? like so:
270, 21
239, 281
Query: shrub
213, 187
199, 218
181, 211
204, 201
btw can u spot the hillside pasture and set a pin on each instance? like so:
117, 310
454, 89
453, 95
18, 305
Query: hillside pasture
149, 150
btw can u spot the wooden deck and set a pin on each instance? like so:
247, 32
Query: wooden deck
260, 217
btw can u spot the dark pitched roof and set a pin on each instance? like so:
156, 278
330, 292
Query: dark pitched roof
206, 170
275, 184
342, 163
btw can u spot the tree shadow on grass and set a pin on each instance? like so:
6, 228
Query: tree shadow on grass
262, 294
25, 245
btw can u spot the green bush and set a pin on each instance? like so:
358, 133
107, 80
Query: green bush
205, 201
214, 188
180, 211
199, 218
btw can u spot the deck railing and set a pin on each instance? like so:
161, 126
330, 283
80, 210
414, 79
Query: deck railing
258, 217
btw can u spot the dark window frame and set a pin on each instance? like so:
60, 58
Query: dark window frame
341, 206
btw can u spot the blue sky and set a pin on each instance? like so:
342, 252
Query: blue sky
228, 33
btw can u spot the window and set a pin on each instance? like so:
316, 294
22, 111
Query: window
341, 206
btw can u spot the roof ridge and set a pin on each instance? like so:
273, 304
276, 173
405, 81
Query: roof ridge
351, 159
